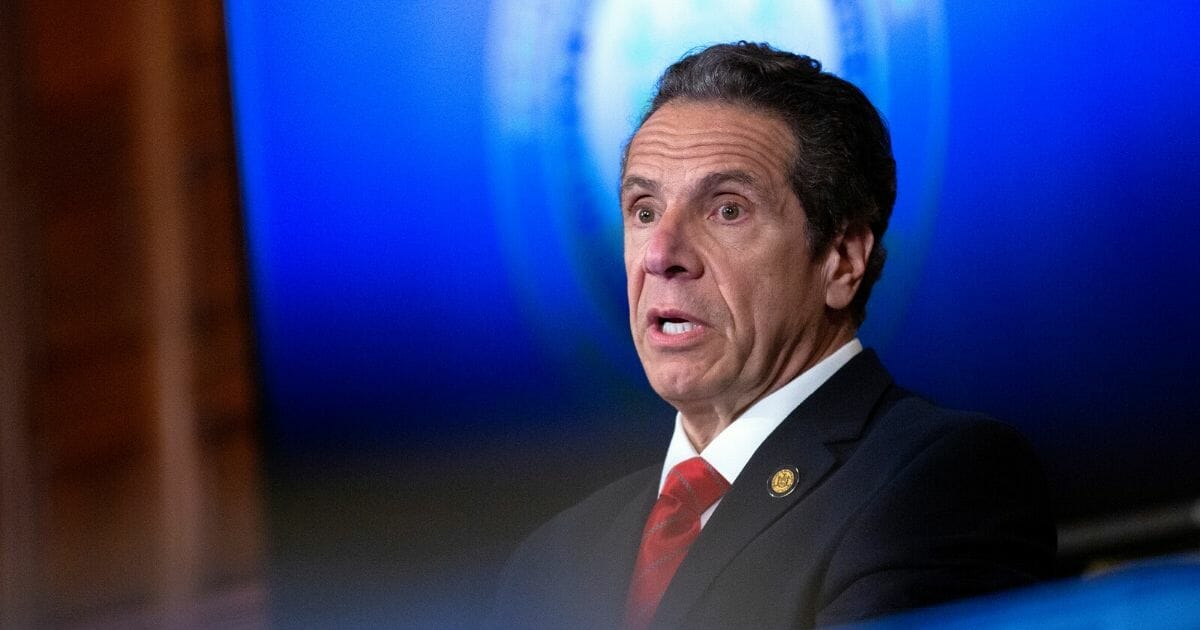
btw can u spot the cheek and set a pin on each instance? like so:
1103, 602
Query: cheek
634, 280
633, 262
633, 253
779, 289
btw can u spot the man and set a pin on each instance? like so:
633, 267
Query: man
801, 486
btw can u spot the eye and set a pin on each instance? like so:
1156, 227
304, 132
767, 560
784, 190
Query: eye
729, 212
645, 215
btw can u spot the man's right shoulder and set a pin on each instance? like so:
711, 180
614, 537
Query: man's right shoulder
554, 572
560, 534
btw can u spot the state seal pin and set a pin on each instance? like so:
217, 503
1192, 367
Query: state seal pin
784, 481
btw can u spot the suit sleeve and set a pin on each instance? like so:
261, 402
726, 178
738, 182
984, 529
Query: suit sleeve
522, 595
967, 516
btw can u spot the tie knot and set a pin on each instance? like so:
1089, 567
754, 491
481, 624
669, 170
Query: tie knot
695, 484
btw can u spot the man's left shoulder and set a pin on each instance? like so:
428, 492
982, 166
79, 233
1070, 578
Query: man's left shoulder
913, 427
955, 504
920, 463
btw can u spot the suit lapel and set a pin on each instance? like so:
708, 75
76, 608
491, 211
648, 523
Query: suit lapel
617, 548
837, 411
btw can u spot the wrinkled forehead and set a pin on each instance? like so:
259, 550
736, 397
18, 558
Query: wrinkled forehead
689, 139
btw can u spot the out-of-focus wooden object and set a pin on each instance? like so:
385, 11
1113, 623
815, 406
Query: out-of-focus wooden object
131, 490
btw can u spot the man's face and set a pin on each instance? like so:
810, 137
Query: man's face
726, 301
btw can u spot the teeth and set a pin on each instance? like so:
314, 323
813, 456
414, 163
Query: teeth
672, 328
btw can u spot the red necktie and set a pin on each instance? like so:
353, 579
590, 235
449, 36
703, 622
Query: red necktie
692, 487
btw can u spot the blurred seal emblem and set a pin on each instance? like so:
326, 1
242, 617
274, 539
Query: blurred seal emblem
566, 82
783, 481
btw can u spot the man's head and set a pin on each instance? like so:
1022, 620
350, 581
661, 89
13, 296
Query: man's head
755, 194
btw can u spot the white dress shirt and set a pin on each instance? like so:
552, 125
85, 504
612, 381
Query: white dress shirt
733, 447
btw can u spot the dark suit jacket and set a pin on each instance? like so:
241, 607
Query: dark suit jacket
899, 504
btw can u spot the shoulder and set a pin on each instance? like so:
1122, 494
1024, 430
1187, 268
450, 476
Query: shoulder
916, 431
937, 456
959, 507
596, 509
556, 572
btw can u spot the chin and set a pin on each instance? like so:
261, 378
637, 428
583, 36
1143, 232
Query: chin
676, 388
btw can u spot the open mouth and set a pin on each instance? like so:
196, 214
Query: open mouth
674, 325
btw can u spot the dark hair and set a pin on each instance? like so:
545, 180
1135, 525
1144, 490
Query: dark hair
844, 173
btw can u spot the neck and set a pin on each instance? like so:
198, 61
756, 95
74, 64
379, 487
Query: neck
703, 421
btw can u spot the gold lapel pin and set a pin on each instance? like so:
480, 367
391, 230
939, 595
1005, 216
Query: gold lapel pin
784, 481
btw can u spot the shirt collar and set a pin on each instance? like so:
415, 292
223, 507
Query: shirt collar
732, 448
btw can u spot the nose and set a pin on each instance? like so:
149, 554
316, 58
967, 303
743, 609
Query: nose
671, 249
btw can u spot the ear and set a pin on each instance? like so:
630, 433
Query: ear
846, 264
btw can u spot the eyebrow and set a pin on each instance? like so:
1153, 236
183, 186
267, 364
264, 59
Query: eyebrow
634, 181
710, 181
713, 180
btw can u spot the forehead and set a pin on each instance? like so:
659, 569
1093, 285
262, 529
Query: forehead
688, 139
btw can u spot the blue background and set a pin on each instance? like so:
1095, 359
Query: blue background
1059, 289
402, 356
